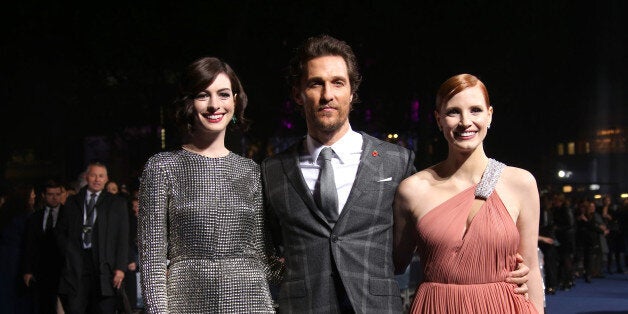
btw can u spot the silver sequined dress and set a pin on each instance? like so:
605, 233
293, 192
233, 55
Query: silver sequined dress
203, 247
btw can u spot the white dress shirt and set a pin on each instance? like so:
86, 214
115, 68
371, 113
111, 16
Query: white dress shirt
345, 162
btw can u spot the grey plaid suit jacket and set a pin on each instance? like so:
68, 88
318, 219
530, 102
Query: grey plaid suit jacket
360, 244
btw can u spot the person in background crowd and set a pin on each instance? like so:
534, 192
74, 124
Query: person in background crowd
132, 280
14, 215
614, 239
42, 258
565, 222
93, 236
112, 187
601, 257
68, 191
589, 231
548, 245
125, 190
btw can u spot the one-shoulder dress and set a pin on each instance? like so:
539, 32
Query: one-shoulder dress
464, 270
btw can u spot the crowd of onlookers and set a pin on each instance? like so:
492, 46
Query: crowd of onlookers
582, 238
30, 254
578, 238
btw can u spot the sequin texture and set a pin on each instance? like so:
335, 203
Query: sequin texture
493, 170
203, 246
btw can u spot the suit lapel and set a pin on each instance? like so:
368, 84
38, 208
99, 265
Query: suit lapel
370, 162
81, 201
367, 170
290, 164
77, 213
101, 220
39, 218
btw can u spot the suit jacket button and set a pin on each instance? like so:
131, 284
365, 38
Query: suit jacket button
334, 238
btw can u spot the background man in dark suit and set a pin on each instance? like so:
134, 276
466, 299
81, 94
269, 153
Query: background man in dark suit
337, 242
94, 231
42, 259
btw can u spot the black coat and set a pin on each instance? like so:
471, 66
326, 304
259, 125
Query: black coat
110, 244
42, 256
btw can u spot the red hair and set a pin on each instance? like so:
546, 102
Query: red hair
457, 84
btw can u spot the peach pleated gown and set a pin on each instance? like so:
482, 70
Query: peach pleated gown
464, 271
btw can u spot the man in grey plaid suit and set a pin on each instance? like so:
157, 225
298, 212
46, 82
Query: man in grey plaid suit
339, 257
338, 262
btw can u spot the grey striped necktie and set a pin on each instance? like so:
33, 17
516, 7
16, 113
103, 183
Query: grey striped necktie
89, 221
328, 195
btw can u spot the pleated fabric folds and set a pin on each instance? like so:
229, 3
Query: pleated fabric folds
465, 265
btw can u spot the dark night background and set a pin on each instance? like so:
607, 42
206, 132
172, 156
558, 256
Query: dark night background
555, 71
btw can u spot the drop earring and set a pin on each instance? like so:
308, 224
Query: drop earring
234, 120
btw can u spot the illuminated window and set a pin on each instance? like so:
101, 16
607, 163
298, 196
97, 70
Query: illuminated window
602, 146
587, 148
560, 149
571, 148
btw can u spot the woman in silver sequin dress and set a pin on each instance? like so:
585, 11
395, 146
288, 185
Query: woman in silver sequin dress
202, 238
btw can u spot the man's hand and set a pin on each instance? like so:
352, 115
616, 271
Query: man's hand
27, 279
132, 266
519, 276
547, 240
117, 278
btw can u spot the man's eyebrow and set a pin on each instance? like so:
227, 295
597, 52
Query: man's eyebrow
320, 78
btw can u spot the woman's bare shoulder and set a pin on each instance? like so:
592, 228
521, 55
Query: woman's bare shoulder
518, 178
423, 178
416, 186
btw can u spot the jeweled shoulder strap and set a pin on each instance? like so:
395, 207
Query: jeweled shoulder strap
489, 179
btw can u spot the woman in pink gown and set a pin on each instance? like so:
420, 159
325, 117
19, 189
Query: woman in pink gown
468, 216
